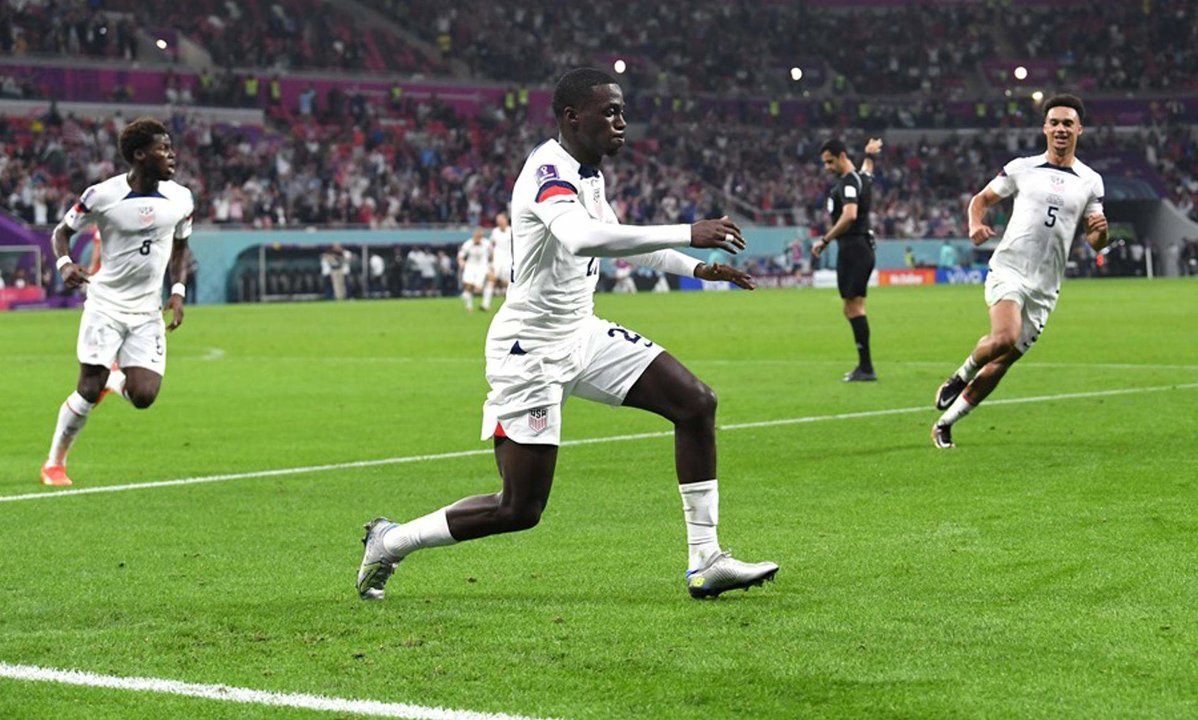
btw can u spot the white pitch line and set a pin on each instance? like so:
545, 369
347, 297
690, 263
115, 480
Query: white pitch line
370, 708
585, 441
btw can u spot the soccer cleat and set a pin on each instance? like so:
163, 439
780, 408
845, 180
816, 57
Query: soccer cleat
725, 572
107, 389
950, 391
859, 375
377, 566
942, 436
55, 475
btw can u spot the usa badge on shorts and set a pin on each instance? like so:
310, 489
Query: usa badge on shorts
538, 420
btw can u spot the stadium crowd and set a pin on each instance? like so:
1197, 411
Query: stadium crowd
427, 165
282, 35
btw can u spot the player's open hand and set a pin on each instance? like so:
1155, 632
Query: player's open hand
721, 233
175, 306
1096, 223
874, 146
716, 272
980, 234
73, 275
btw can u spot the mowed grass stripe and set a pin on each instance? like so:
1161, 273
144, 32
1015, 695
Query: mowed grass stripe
584, 441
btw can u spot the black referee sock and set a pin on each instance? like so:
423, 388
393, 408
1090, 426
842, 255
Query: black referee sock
861, 335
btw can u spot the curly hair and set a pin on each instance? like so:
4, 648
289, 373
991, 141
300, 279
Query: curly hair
574, 88
1069, 101
139, 134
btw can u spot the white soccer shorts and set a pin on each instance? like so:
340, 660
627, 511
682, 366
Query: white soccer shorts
1035, 306
530, 385
503, 273
130, 340
474, 276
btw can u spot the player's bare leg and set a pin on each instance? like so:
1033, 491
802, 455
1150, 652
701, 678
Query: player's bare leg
854, 312
527, 472
141, 386
975, 392
668, 389
488, 291
72, 416
1006, 322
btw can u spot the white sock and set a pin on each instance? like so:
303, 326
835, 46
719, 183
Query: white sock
429, 531
116, 383
968, 370
72, 416
468, 299
701, 509
488, 293
959, 409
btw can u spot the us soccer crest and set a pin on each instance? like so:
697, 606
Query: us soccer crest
145, 215
538, 420
1058, 181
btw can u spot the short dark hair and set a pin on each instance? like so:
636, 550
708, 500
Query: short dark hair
835, 146
1069, 101
574, 88
139, 134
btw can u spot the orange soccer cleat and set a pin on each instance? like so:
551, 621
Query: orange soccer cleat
55, 475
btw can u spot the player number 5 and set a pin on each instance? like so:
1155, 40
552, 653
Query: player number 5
1052, 216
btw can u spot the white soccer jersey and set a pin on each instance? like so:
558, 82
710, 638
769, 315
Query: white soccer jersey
501, 250
1050, 202
138, 232
474, 257
552, 290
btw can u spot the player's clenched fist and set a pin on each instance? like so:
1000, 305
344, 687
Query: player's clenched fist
721, 233
980, 234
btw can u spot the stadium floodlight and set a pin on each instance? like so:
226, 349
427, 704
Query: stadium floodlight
796, 73
620, 66
1038, 96
1021, 73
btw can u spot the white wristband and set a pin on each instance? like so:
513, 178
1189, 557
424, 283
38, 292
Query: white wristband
63, 260
179, 289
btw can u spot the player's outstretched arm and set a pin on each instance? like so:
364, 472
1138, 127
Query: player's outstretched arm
979, 232
583, 235
177, 266
73, 274
718, 271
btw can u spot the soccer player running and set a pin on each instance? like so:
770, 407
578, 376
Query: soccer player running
1054, 192
546, 344
474, 259
501, 260
145, 219
848, 204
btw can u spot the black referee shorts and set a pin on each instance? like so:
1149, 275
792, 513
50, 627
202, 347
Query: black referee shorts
854, 265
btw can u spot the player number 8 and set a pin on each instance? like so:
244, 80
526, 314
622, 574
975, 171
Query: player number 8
145, 247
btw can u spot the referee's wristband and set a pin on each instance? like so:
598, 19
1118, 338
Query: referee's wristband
179, 289
63, 260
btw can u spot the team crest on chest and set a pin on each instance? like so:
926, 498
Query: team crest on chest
145, 215
1057, 181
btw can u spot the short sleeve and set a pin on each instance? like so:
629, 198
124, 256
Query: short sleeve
82, 212
1097, 193
554, 198
183, 227
1003, 184
851, 194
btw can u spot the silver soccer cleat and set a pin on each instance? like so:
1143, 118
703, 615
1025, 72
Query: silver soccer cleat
725, 572
377, 566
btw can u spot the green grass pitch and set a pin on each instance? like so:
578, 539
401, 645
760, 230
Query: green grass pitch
1045, 568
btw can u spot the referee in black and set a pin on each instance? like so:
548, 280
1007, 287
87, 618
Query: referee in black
848, 203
